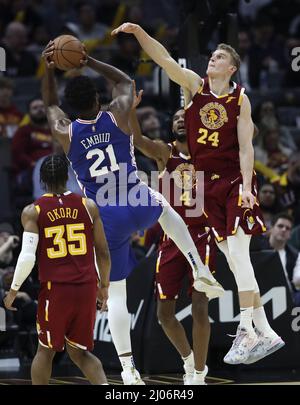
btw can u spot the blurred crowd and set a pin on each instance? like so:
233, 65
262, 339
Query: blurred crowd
268, 31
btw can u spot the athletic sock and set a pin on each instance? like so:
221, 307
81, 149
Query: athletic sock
261, 322
246, 318
189, 363
127, 362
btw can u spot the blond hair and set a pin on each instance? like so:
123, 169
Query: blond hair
235, 57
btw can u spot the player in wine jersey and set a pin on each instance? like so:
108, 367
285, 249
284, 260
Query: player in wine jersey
173, 160
219, 134
99, 147
67, 233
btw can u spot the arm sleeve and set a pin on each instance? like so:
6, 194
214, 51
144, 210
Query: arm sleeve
26, 259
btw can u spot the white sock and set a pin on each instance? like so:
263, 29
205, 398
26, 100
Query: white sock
246, 319
198, 373
126, 362
189, 363
261, 322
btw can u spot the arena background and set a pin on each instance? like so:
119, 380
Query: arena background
267, 35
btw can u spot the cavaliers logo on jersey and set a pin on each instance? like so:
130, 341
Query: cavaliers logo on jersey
184, 176
213, 115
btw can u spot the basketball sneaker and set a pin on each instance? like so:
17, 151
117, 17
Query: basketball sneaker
205, 282
188, 376
243, 343
199, 379
131, 376
267, 344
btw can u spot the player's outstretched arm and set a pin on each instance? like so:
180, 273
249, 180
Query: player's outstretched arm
245, 130
57, 119
184, 77
123, 88
26, 257
156, 150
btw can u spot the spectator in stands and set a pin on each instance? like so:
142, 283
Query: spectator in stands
30, 143
266, 54
289, 257
10, 116
128, 54
87, 28
56, 14
19, 61
266, 117
151, 128
244, 47
107, 10
289, 187
72, 184
8, 242
39, 39
270, 151
268, 203
149, 121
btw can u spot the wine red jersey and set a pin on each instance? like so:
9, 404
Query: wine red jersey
66, 245
211, 126
177, 183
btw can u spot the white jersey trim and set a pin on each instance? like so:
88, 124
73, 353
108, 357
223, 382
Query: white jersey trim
112, 117
89, 121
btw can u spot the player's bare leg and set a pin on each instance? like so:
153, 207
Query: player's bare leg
201, 335
194, 362
41, 367
89, 364
172, 327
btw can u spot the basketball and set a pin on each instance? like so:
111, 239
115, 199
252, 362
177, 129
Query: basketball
68, 52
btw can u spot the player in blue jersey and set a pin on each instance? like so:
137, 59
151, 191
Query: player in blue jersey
99, 146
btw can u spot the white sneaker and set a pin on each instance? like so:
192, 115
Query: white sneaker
266, 345
243, 343
205, 282
188, 376
131, 376
199, 379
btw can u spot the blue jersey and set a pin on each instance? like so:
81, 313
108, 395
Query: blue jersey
100, 152
102, 157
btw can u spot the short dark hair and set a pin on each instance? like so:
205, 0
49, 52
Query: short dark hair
176, 111
54, 172
282, 215
80, 93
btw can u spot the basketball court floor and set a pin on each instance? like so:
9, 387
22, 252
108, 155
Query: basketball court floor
69, 375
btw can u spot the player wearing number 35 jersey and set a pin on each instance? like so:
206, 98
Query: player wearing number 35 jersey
99, 146
66, 230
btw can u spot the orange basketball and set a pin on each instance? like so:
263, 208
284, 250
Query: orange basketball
68, 52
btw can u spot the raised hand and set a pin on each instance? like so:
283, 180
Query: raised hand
128, 28
47, 55
137, 98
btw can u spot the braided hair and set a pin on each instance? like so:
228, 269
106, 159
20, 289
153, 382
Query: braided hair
54, 172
